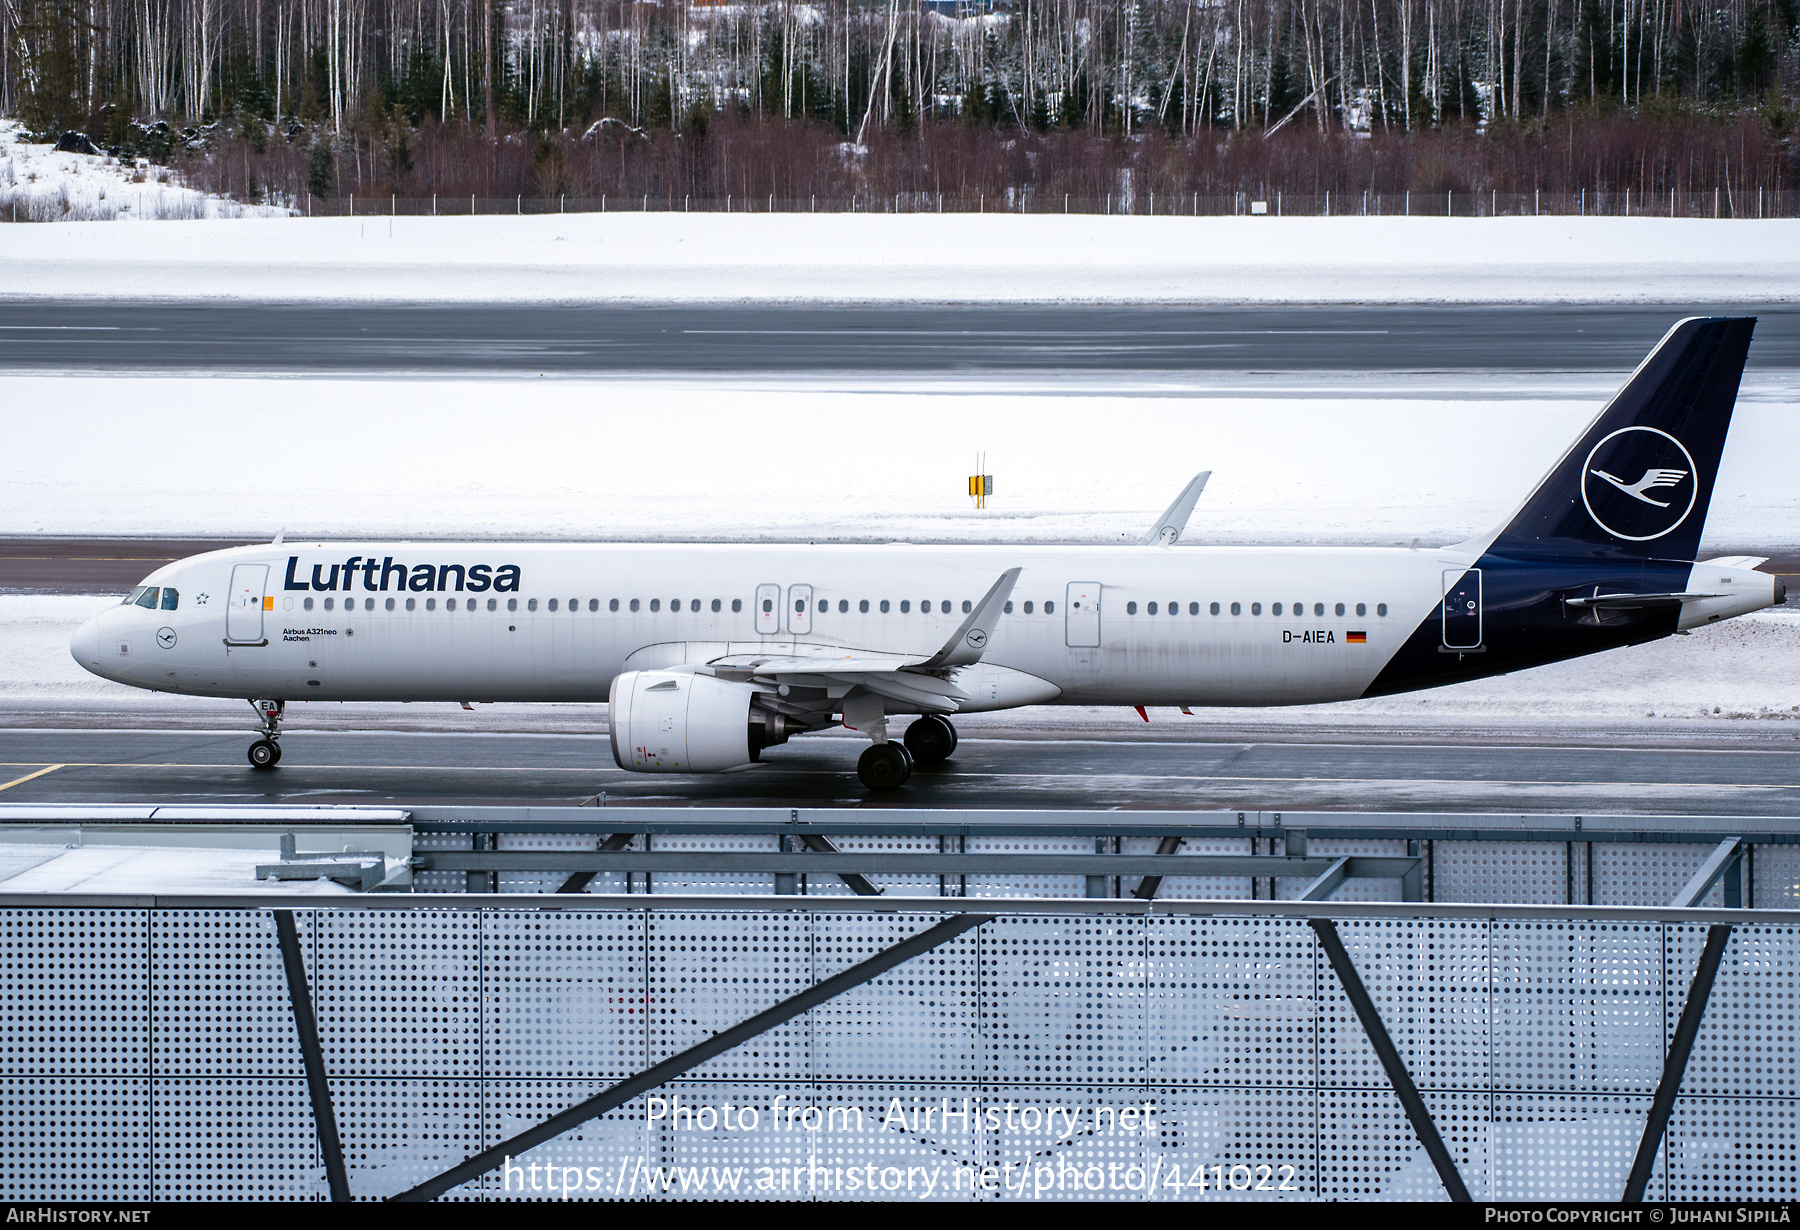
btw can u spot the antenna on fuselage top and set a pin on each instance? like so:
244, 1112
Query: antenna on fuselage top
278, 536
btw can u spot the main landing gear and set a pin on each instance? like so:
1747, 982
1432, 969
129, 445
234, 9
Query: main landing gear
265, 753
887, 766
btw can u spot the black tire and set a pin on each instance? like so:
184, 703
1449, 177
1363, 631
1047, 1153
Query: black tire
884, 766
264, 754
277, 753
930, 739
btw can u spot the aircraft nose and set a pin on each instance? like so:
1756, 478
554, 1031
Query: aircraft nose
84, 646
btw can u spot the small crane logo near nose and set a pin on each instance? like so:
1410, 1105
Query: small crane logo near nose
165, 637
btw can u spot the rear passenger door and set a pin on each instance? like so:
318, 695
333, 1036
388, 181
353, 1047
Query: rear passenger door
768, 609
1081, 615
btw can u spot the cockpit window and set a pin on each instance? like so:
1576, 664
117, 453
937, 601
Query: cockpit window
147, 599
133, 596
169, 598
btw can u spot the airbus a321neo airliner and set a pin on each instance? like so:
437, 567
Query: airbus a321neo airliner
710, 655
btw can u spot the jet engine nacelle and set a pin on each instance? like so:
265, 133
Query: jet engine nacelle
671, 722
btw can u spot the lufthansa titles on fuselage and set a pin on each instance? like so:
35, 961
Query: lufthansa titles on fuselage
378, 576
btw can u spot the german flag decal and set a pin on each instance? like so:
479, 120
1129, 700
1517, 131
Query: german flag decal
1356, 638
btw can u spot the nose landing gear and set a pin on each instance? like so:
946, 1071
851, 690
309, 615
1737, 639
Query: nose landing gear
265, 753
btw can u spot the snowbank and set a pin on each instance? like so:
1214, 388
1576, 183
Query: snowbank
874, 258
645, 460
39, 184
1747, 668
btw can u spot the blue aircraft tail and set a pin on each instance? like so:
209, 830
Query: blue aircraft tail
1636, 485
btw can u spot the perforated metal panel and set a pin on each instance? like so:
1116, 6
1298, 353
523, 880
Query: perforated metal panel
236, 1139
1192, 888
1231, 1001
708, 971
1634, 874
708, 881
1028, 886
1516, 872
1429, 981
75, 1138
398, 994
917, 1022
550, 881
1287, 888
398, 1133
900, 885
74, 985
1235, 1144
1776, 877
219, 994
594, 1161
1063, 999
1367, 1150
1733, 1149
1559, 1146
915, 1150
440, 881
1058, 1153
564, 994
1577, 1006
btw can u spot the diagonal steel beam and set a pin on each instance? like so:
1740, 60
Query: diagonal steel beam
854, 880
1416, 1110
1327, 883
312, 1055
675, 1065
1675, 1066
578, 882
1724, 856
1149, 886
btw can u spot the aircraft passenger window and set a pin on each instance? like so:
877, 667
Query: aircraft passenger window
494, 604
1381, 608
884, 606
799, 604
412, 604
1028, 608
844, 606
450, 604
824, 605
737, 604
368, 604
905, 606
1340, 608
1256, 608
966, 606
1049, 608
1150, 608
430, 603
655, 604
1009, 606
1131, 608
169, 599
863, 606
1299, 610
390, 604
1276, 609
551, 605
945, 607
512, 604
147, 599
1215, 609
328, 603
768, 605
1362, 608
1237, 608
694, 606
306, 604
1319, 608
1174, 608
715, 606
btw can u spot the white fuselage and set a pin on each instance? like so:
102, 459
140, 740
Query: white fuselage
1232, 625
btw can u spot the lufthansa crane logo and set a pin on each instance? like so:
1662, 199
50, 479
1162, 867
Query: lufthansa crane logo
976, 638
1639, 483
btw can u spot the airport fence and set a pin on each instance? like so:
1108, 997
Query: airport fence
1718, 203
209, 1048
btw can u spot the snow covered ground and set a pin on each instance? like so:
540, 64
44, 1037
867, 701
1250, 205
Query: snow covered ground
38, 184
873, 258
1748, 669
625, 460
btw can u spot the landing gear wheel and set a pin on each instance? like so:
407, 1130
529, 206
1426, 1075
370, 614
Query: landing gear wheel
264, 754
884, 766
931, 739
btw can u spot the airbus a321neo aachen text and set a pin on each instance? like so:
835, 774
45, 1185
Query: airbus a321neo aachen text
711, 655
